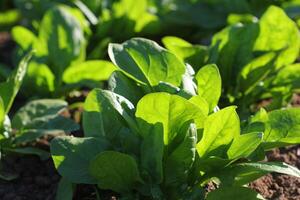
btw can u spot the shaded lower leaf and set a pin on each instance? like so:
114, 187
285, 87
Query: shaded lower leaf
115, 171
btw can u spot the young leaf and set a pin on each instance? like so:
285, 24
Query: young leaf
114, 171
170, 110
71, 156
209, 85
220, 129
10, 88
147, 62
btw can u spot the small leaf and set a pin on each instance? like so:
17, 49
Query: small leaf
220, 129
10, 88
209, 85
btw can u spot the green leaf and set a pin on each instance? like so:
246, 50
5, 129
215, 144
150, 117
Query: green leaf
243, 173
220, 129
23, 37
195, 55
10, 88
180, 161
64, 190
62, 35
2, 115
102, 107
243, 145
276, 32
229, 193
38, 112
152, 150
283, 128
72, 156
170, 110
115, 171
288, 76
44, 155
126, 87
147, 62
201, 103
39, 80
255, 71
92, 70
209, 84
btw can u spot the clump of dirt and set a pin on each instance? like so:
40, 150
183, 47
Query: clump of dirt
277, 186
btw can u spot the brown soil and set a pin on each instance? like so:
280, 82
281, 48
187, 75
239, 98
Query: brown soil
277, 186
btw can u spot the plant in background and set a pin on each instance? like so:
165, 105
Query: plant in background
168, 139
59, 63
253, 63
32, 121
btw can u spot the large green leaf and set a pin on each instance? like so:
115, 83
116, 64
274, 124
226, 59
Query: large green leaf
10, 88
103, 107
72, 156
114, 171
62, 35
220, 129
209, 85
171, 111
147, 62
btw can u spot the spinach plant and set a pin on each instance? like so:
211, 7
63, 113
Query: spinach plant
253, 63
59, 63
32, 121
169, 147
165, 138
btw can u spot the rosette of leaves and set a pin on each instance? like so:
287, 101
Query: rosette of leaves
158, 134
255, 59
32, 121
169, 147
59, 64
